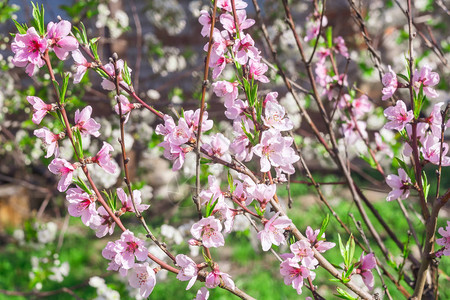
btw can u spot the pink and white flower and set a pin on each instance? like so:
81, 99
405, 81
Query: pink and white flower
205, 20
427, 78
245, 49
213, 279
431, 151
273, 232
105, 224
63, 168
262, 193
202, 294
104, 159
294, 274
208, 229
398, 115
226, 5
275, 117
85, 123
127, 202
227, 21
321, 245
302, 252
257, 70
59, 39
390, 83
400, 185
40, 108
143, 277
109, 68
217, 146
127, 248
339, 46
49, 139
28, 49
367, 263
81, 204
227, 90
188, 271
445, 239
81, 65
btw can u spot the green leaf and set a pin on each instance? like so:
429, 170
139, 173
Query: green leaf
341, 247
82, 185
126, 74
330, 36
344, 295
21, 28
210, 206
62, 92
323, 227
230, 182
426, 186
403, 77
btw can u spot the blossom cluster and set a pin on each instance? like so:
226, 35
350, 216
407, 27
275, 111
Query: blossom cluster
299, 264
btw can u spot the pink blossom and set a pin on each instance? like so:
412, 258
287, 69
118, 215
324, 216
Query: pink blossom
175, 153
202, 294
109, 68
188, 271
398, 116
276, 150
390, 83
275, 117
262, 193
218, 63
129, 247
340, 47
28, 49
143, 277
104, 159
257, 70
321, 73
127, 202
167, 128
205, 20
400, 185
273, 232
431, 151
428, 79
110, 252
64, 169
236, 111
313, 26
245, 49
85, 123
294, 274
361, 106
226, 5
192, 119
105, 225
302, 252
445, 239
435, 119
213, 193
81, 204
382, 146
321, 245
213, 279
220, 44
208, 229
323, 53
350, 130
241, 145
40, 108
81, 65
227, 21
421, 135
125, 105
227, 90
217, 146
59, 39
50, 140
181, 134
367, 263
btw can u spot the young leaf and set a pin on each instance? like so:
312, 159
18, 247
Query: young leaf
341, 247
21, 28
323, 227
330, 36
231, 183
82, 185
